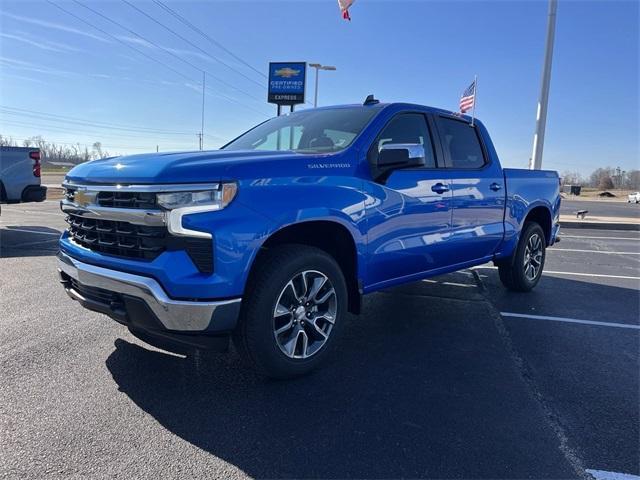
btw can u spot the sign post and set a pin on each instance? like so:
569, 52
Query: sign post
287, 82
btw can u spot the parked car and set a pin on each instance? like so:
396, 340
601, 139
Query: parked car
20, 175
272, 239
634, 197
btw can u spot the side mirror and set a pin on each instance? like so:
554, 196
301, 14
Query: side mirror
401, 155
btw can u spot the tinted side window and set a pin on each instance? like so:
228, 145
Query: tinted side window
460, 143
408, 128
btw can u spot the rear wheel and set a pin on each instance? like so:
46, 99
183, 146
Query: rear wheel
522, 272
293, 311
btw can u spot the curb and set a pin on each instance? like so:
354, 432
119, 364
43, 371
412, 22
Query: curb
601, 226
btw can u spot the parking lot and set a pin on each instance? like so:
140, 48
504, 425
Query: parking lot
452, 377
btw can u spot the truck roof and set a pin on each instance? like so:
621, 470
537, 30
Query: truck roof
403, 105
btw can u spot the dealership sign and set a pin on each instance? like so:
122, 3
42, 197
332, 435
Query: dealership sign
287, 82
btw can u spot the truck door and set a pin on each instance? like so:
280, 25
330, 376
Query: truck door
478, 190
409, 209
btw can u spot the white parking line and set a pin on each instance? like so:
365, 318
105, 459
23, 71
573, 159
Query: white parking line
591, 251
569, 320
604, 475
30, 231
453, 284
600, 238
576, 274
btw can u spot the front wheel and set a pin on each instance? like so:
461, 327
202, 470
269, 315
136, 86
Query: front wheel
293, 310
522, 271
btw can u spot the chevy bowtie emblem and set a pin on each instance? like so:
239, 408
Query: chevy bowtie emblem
286, 72
82, 198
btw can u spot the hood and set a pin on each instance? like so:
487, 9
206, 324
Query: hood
200, 167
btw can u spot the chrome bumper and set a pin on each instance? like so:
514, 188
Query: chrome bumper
175, 315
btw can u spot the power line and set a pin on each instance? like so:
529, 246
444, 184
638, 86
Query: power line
213, 57
168, 52
145, 54
83, 122
77, 144
213, 41
67, 130
121, 41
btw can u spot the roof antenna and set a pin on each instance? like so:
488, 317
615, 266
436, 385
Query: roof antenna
370, 100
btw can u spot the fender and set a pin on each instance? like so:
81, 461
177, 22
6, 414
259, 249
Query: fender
327, 199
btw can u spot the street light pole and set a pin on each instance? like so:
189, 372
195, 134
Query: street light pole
202, 119
319, 67
541, 117
315, 96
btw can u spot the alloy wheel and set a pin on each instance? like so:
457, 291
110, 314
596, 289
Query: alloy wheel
304, 314
533, 253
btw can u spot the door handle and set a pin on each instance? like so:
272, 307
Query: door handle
439, 188
495, 186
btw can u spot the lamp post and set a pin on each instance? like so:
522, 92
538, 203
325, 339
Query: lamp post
319, 67
541, 115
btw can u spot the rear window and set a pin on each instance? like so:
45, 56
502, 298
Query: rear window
461, 144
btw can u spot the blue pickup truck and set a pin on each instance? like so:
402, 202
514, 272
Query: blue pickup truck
274, 238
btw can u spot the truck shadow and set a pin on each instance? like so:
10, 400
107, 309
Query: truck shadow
418, 380
28, 241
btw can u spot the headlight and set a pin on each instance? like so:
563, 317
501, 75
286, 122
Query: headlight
217, 198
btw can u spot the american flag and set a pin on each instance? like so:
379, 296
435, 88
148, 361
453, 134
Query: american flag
344, 8
468, 98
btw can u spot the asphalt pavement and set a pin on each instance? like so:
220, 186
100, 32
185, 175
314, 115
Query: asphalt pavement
601, 208
447, 378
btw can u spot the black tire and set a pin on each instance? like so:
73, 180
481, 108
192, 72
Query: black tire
512, 270
255, 337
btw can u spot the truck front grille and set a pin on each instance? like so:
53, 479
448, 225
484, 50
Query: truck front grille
146, 200
118, 238
124, 239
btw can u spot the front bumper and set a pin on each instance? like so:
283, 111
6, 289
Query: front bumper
142, 304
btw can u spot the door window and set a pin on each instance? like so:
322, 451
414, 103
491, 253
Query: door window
461, 144
406, 128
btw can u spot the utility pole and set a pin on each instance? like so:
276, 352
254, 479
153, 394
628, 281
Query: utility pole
319, 67
204, 78
199, 135
541, 117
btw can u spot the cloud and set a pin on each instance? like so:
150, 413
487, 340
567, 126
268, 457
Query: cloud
176, 51
55, 26
24, 77
135, 41
181, 51
33, 67
41, 44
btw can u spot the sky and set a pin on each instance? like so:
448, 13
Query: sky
130, 74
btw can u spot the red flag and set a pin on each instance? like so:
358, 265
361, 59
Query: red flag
344, 8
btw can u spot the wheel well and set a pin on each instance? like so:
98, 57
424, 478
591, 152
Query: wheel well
542, 217
331, 237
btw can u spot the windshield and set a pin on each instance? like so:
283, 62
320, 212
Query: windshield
308, 131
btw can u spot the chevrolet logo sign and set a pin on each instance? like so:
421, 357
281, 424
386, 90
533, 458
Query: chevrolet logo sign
83, 198
287, 72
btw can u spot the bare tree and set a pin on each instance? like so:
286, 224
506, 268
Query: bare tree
50, 151
571, 178
606, 183
633, 180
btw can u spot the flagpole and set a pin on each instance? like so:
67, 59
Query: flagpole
475, 98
